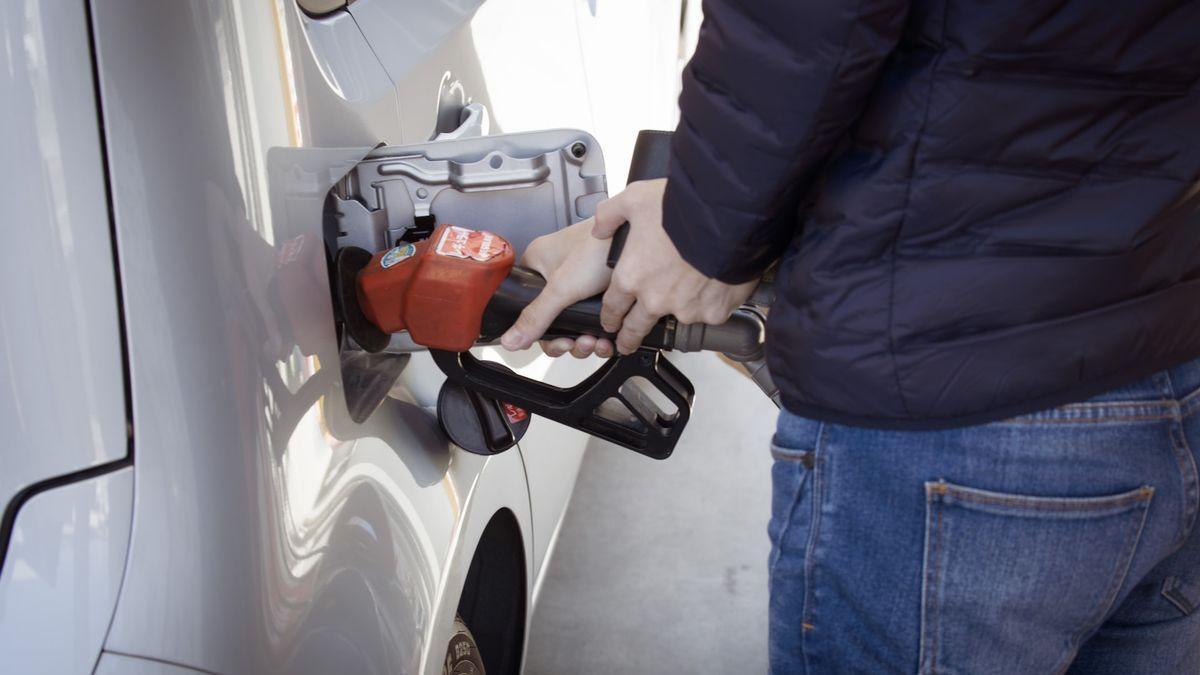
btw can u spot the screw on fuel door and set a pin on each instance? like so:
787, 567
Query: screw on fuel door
479, 423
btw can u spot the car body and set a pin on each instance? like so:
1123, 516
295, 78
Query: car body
184, 487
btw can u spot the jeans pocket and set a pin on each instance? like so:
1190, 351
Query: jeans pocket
1013, 583
802, 455
791, 475
793, 478
796, 437
794, 448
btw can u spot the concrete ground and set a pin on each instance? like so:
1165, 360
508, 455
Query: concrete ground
661, 566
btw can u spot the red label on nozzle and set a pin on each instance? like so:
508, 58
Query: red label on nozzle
460, 242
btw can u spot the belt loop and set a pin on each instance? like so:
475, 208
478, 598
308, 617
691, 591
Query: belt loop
1162, 380
1185, 377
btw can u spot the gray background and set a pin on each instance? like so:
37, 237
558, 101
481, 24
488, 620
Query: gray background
660, 567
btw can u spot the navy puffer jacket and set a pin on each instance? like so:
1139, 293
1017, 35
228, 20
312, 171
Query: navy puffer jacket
983, 207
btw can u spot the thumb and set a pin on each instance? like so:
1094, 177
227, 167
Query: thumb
606, 230
609, 216
534, 319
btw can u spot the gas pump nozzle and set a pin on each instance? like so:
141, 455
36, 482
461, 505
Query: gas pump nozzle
740, 338
460, 287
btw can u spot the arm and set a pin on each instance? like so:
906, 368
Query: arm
772, 88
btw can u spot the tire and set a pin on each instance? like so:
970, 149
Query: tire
462, 654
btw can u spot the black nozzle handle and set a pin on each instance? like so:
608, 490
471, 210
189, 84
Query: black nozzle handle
617, 245
651, 159
740, 337
610, 403
519, 289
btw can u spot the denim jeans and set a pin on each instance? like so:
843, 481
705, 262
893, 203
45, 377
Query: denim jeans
1060, 541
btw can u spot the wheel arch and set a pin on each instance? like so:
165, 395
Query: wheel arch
493, 601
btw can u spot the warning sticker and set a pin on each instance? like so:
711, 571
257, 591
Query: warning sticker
460, 242
398, 254
513, 413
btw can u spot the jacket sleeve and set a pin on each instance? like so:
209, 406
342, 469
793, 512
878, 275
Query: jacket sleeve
771, 89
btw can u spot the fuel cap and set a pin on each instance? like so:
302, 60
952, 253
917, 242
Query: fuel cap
478, 423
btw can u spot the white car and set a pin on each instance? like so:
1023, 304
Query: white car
186, 488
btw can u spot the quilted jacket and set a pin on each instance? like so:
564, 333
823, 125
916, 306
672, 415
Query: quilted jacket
981, 207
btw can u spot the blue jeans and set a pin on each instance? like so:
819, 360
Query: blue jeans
1061, 541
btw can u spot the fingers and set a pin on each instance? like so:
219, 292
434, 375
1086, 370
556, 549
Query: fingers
638, 201
638, 323
535, 319
557, 347
604, 348
614, 306
581, 347
610, 214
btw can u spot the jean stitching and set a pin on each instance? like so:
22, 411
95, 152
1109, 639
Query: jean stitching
930, 627
1190, 403
1103, 411
938, 580
1115, 411
818, 488
1086, 420
1166, 388
1111, 404
1187, 463
1170, 592
1188, 476
787, 524
1114, 586
1070, 504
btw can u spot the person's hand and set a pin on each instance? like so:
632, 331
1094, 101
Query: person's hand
651, 279
574, 264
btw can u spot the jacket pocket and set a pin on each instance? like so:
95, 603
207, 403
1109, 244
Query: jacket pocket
1013, 583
